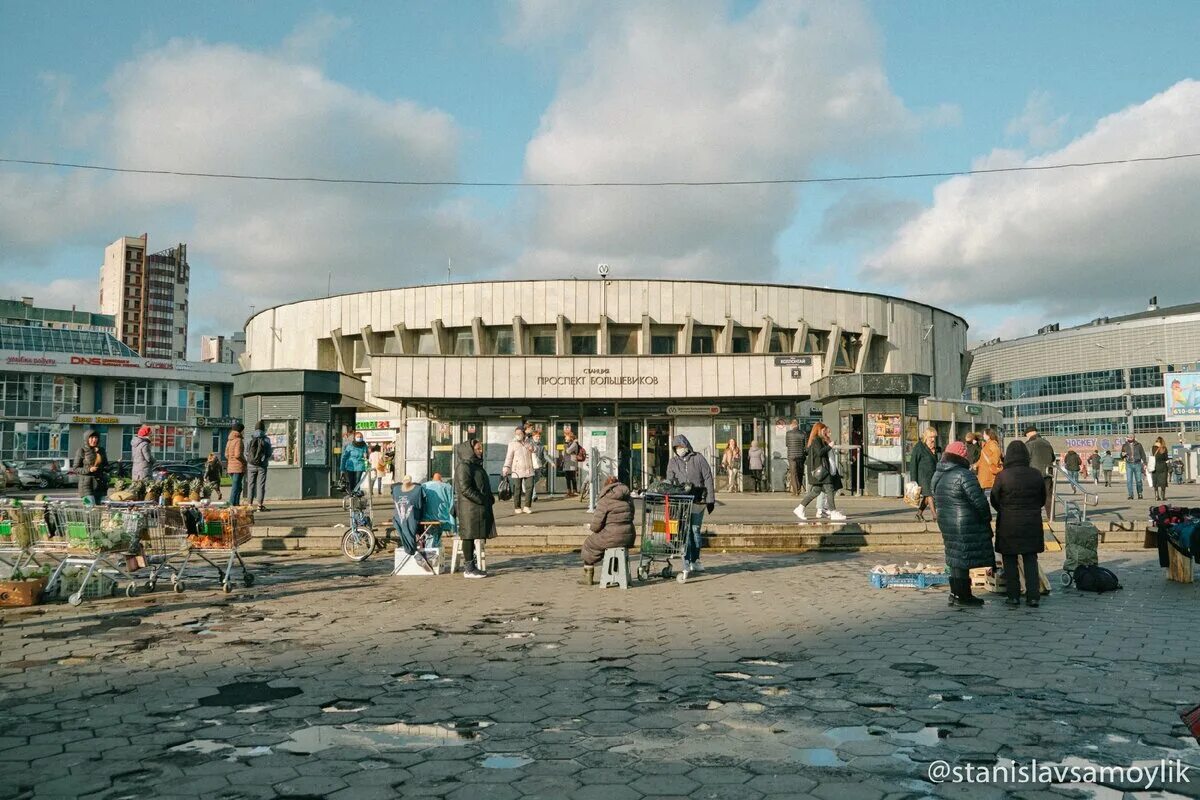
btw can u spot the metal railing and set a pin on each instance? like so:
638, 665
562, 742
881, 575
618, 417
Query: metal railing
1072, 509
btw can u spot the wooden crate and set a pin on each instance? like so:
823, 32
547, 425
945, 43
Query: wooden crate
18, 594
1179, 566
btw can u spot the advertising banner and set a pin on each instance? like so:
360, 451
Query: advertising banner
1182, 401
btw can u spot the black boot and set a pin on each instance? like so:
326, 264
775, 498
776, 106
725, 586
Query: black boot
960, 593
1013, 601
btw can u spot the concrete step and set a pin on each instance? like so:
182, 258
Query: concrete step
740, 538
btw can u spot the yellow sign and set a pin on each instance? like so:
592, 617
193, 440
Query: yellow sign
96, 420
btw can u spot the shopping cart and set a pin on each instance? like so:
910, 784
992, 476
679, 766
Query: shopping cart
15, 537
213, 532
666, 519
1083, 539
98, 539
163, 546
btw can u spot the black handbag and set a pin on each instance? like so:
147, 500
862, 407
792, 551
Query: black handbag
504, 489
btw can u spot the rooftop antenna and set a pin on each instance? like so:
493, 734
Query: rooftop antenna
448, 279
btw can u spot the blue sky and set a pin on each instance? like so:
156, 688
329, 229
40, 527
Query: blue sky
506, 90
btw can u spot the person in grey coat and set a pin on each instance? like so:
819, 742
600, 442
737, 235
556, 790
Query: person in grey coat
611, 526
758, 462
687, 467
796, 445
965, 520
143, 458
1042, 458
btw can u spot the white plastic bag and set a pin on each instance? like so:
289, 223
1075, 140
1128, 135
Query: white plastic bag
912, 493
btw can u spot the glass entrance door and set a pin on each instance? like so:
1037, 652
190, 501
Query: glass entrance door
441, 449
656, 449
630, 454
541, 480
558, 444
725, 430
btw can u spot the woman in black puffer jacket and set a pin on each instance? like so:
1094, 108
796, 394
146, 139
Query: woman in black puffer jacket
1018, 497
965, 521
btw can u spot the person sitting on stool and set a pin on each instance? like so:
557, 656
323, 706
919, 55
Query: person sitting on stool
611, 526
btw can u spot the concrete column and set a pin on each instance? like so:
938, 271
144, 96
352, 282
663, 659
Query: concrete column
868, 333
405, 345
831, 350
688, 326
726, 343
562, 344
602, 344
764, 336
439, 338
477, 335
801, 340
518, 336
644, 349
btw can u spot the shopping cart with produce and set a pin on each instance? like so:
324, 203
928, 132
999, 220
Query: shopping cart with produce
99, 540
16, 535
666, 518
162, 547
213, 533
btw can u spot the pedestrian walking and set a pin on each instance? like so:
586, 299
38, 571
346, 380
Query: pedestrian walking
731, 460
1134, 456
921, 466
797, 448
375, 465
541, 461
1162, 468
354, 462
258, 458
822, 474
235, 463
758, 462
1107, 463
1094, 465
1072, 463
142, 454
611, 526
569, 462
990, 461
213, 472
518, 462
1042, 458
476, 519
1019, 497
965, 521
687, 467
91, 465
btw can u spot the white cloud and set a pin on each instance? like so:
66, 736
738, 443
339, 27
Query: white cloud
308, 40
1074, 242
58, 293
194, 106
673, 90
1037, 123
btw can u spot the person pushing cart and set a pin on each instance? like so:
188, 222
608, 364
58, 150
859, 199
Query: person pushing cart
687, 467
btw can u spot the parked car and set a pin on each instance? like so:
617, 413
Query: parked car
176, 469
69, 478
38, 474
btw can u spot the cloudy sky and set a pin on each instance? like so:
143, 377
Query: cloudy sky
578, 91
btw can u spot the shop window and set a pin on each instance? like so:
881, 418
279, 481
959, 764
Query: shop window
662, 345
282, 434
505, 343
584, 345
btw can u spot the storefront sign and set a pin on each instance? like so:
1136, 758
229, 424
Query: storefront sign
599, 433
685, 411
376, 424
100, 361
98, 419
793, 361
974, 411
504, 411
27, 361
216, 422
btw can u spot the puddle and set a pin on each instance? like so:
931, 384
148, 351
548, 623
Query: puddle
412, 677
397, 736
345, 706
255, 709
733, 676
761, 662
518, 636
505, 761
818, 757
951, 698
913, 667
247, 693
212, 747
850, 733
927, 736
90, 630
702, 705
774, 691
1113, 738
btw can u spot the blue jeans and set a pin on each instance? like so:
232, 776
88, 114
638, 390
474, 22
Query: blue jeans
1133, 474
691, 547
235, 488
1074, 477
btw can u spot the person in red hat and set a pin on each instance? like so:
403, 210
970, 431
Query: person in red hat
143, 456
965, 521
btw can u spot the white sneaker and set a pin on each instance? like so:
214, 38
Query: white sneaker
696, 566
799, 511
822, 513
527, 510
837, 516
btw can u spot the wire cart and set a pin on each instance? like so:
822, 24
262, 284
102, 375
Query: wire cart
96, 538
19, 522
665, 522
162, 544
213, 533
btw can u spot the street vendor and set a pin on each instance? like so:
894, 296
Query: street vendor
91, 464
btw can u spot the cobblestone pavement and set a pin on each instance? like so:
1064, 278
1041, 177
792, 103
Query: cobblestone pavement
780, 677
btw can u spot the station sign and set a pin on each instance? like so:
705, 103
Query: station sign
793, 361
688, 411
504, 411
216, 422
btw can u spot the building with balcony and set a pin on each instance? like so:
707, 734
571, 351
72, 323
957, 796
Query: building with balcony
147, 294
623, 364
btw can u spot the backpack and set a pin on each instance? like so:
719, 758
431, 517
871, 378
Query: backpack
1092, 578
581, 456
256, 451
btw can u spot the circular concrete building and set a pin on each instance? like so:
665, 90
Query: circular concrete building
625, 364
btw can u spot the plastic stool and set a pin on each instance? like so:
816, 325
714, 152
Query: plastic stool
456, 553
616, 568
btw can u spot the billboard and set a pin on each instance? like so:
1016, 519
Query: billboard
1182, 400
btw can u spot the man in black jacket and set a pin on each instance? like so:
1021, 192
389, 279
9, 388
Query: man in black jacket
91, 463
797, 448
1042, 458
